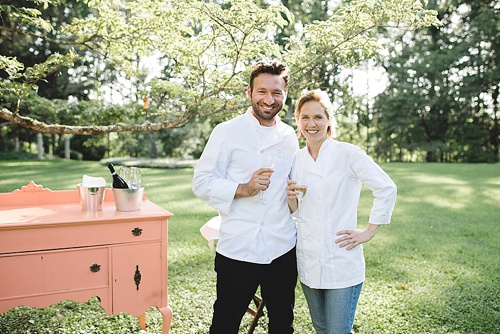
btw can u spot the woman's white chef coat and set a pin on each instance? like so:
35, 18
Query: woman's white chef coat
334, 184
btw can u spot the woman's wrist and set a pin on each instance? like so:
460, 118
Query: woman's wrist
372, 228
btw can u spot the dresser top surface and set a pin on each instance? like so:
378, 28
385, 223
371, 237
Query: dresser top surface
34, 206
51, 214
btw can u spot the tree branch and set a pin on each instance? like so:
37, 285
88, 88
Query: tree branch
48, 39
37, 126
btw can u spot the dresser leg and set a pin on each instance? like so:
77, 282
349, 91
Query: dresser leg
167, 318
142, 321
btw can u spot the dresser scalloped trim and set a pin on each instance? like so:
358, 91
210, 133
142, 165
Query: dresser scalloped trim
32, 187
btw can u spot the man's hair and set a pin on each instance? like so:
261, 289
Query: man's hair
270, 67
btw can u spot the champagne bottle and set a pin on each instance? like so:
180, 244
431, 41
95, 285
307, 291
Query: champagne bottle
118, 182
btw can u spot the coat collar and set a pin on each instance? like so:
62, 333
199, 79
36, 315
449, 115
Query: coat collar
325, 155
279, 129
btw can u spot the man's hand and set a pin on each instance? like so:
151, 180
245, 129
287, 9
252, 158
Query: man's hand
260, 180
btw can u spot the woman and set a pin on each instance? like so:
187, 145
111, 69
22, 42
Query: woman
330, 257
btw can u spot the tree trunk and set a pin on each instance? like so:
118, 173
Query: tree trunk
495, 131
39, 142
66, 147
153, 149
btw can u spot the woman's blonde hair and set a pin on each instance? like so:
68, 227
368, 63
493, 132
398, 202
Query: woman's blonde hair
322, 98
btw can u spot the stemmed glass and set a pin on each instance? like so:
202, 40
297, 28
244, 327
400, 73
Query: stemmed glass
266, 162
131, 175
124, 172
302, 189
135, 177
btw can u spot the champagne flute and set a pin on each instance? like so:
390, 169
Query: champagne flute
125, 174
266, 162
302, 189
135, 177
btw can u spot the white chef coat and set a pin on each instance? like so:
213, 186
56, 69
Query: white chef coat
334, 184
249, 231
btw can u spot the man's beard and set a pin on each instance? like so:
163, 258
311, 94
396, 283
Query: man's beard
264, 116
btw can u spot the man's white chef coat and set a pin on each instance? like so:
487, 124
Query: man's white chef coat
249, 231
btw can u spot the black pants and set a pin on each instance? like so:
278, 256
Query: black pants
237, 283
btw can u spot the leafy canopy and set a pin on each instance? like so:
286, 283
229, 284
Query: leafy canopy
207, 45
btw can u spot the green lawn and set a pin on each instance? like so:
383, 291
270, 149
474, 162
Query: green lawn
435, 269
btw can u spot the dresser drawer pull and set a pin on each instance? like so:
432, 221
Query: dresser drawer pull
137, 277
137, 231
95, 267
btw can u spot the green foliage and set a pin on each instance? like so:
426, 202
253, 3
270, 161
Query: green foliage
186, 142
10, 65
206, 49
348, 36
426, 271
442, 100
68, 317
17, 156
32, 35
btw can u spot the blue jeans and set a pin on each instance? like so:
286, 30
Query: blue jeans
332, 310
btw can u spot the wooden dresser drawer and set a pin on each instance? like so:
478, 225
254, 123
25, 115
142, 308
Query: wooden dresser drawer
53, 271
64, 236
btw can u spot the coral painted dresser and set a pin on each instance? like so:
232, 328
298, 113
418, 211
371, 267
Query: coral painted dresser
51, 250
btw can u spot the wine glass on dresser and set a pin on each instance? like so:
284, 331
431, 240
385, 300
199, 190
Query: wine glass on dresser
135, 177
125, 174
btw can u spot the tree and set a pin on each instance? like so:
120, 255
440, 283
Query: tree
50, 101
443, 98
209, 46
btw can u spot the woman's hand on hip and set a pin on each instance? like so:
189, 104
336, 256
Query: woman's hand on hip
351, 239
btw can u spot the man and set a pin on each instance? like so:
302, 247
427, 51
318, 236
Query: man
257, 236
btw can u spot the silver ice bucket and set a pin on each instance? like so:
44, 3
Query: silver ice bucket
128, 199
91, 197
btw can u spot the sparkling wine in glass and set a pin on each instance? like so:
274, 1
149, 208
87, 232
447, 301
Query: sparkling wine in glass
266, 162
302, 189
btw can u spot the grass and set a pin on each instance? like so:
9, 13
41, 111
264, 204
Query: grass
435, 269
